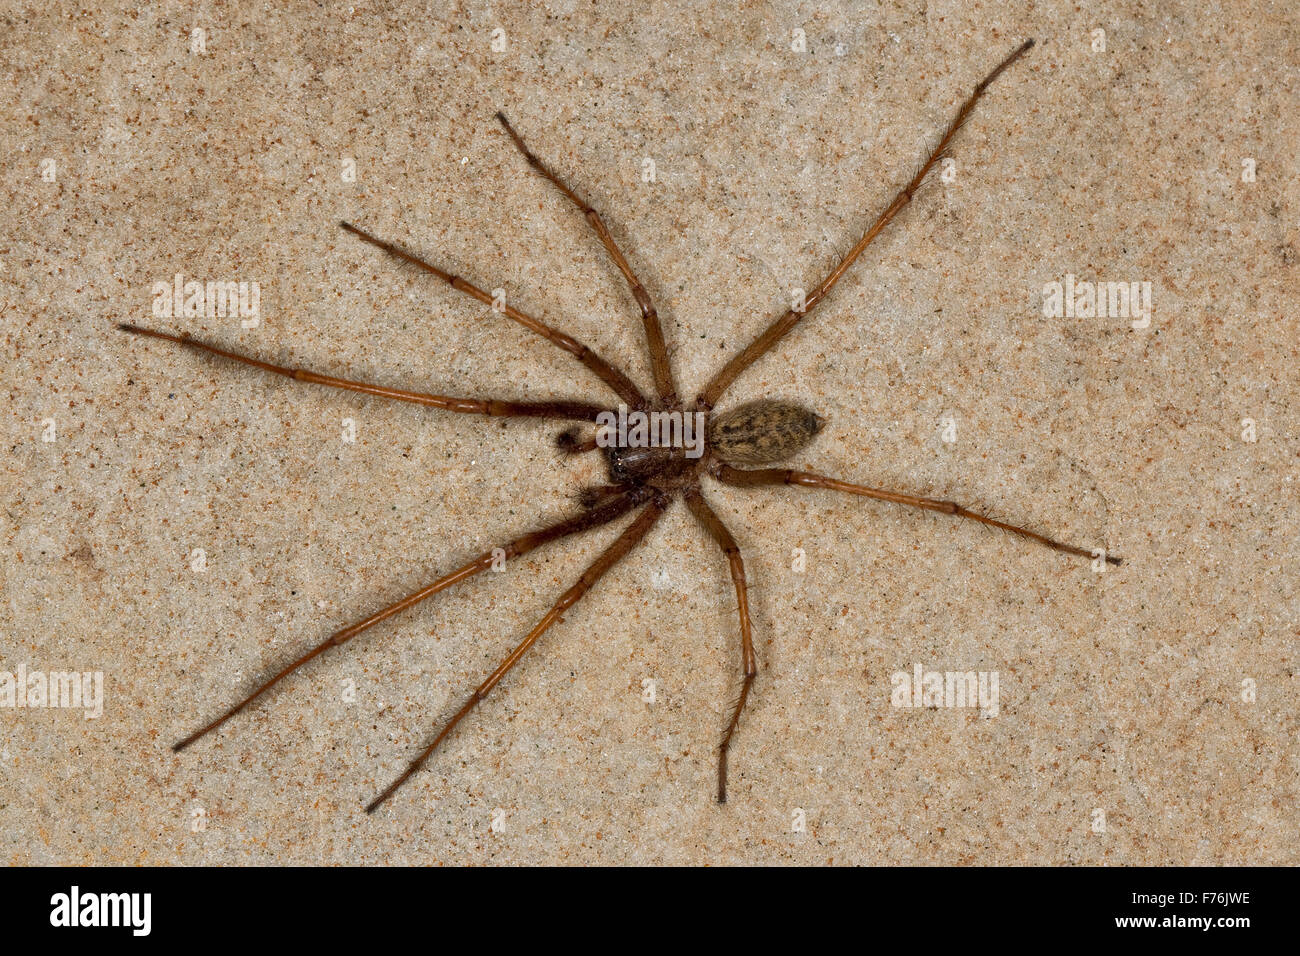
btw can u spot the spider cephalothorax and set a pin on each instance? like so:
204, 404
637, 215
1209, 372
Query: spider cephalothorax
646, 464
646, 471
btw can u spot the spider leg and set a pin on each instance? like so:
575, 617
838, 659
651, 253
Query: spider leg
590, 496
659, 363
609, 374
713, 524
625, 542
807, 479
778, 329
581, 411
606, 512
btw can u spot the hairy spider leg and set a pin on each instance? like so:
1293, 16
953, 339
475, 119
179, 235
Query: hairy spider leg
629, 539
660, 366
611, 375
782, 326
749, 663
743, 478
606, 512
580, 411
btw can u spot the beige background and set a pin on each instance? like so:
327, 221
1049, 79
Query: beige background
1119, 691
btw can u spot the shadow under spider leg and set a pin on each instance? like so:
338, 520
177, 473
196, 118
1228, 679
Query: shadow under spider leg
648, 479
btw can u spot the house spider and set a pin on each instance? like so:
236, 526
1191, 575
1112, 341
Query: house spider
643, 479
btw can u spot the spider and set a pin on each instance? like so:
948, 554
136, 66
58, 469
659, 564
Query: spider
644, 478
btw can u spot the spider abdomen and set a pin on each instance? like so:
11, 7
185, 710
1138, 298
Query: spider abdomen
763, 432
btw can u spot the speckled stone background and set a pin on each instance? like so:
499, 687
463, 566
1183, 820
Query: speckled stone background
1127, 692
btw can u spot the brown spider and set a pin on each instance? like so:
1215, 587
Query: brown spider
642, 476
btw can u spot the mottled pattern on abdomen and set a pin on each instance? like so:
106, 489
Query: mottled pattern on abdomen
763, 432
